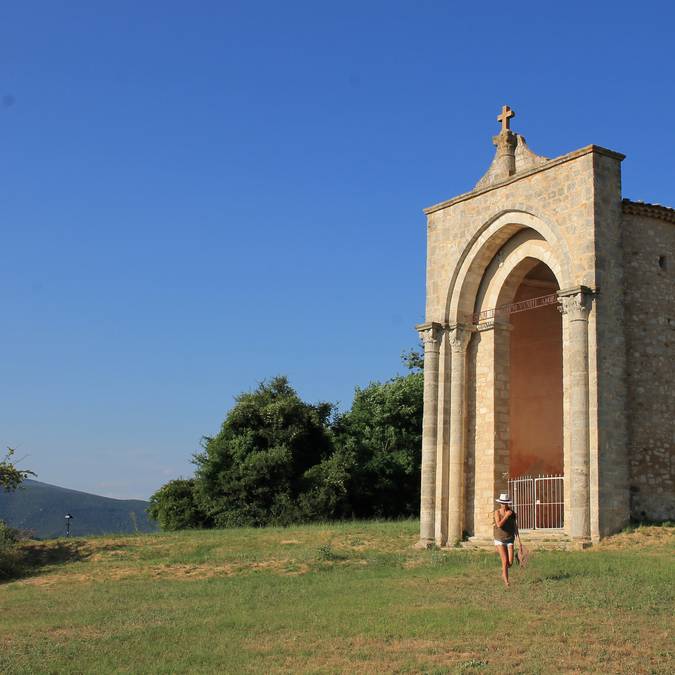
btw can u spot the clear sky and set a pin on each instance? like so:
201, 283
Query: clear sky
195, 196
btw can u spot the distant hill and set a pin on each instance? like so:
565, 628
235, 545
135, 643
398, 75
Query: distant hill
41, 508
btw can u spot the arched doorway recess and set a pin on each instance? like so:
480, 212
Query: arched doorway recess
515, 385
536, 380
535, 398
473, 459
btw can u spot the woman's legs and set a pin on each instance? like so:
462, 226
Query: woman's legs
510, 550
503, 555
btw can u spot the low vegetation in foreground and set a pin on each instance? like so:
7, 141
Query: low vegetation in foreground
348, 597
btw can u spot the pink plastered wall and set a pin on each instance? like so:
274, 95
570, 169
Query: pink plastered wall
536, 389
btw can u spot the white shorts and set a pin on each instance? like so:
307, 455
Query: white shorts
503, 543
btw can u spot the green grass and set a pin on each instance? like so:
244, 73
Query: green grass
351, 597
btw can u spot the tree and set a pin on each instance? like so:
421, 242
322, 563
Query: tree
10, 479
174, 506
10, 476
383, 435
256, 471
413, 360
327, 494
279, 460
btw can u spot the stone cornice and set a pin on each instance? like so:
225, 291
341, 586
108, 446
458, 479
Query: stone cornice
431, 333
519, 176
651, 210
576, 290
427, 325
492, 324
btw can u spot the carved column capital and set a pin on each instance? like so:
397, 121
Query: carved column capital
458, 337
431, 334
575, 303
505, 142
505, 159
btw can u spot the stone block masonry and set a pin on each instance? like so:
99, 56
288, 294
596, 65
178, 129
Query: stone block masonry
649, 264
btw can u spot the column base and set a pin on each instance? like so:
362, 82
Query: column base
425, 544
453, 541
581, 544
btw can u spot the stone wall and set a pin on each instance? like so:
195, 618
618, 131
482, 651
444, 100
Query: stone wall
609, 471
649, 262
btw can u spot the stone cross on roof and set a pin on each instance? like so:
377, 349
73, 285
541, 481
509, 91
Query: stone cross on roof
505, 116
512, 156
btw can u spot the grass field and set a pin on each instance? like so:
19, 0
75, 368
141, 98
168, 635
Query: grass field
351, 597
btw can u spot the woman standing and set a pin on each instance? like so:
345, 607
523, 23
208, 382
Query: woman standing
505, 532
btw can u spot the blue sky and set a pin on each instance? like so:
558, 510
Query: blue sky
195, 196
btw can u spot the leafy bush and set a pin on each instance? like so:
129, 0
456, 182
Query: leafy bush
10, 479
382, 433
255, 471
9, 555
174, 506
278, 460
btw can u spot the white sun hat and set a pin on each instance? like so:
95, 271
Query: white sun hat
504, 498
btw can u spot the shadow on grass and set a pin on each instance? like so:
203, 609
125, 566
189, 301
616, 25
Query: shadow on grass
30, 558
560, 576
554, 576
637, 523
36, 556
327, 553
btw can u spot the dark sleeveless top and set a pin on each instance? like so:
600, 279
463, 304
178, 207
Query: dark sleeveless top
508, 530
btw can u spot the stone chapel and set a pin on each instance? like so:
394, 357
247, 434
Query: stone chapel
549, 359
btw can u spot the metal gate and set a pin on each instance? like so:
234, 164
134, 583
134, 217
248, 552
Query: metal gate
539, 502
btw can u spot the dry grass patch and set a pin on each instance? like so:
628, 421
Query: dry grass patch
178, 571
661, 536
80, 632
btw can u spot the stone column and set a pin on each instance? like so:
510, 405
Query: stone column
459, 340
575, 306
431, 334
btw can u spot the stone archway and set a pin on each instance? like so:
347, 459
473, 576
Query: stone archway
484, 250
465, 455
